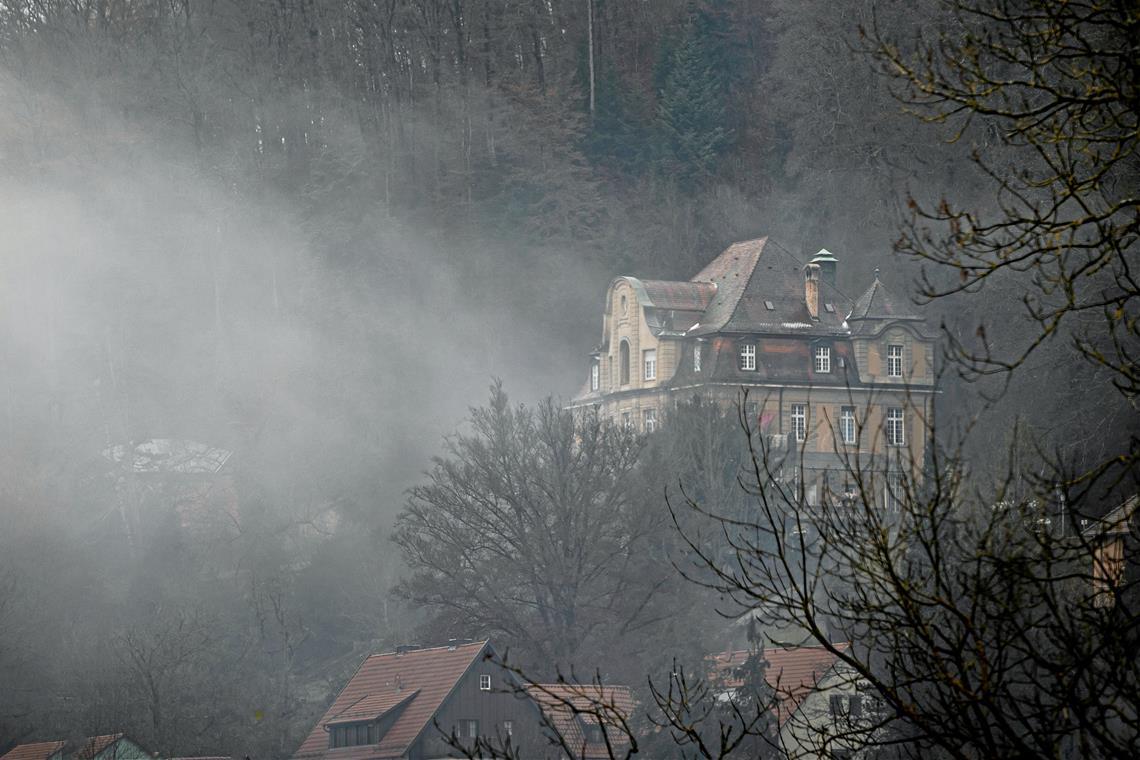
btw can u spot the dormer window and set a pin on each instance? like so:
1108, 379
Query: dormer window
354, 734
894, 360
822, 359
748, 357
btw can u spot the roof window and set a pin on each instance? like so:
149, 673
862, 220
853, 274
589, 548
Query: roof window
769, 306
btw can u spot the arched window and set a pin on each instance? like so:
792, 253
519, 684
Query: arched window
623, 361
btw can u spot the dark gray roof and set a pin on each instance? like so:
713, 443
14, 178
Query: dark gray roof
879, 303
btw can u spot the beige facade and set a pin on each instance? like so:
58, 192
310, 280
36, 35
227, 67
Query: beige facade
829, 379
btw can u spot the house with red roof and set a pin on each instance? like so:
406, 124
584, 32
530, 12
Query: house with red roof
104, 747
829, 376
818, 698
437, 702
592, 721
409, 702
36, 751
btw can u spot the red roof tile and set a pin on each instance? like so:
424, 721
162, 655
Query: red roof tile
730, 272
373, 706
571, 706
35, 751
792, 672
430, 674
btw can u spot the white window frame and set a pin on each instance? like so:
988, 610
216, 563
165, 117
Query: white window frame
799, 422
467, 723
649, 362
484, 682
748, 357
595, 375
847, 427
896, 426
508, 728
649, 416
823, 359
892, 491
894, 360
696, 357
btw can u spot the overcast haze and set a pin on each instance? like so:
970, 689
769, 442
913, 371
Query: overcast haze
307, 238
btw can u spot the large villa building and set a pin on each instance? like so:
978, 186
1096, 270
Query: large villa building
830, 379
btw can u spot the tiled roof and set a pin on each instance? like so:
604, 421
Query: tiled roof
730, 272
792, 672
572, 706
428, 674
373, 706
35, 751
760, 288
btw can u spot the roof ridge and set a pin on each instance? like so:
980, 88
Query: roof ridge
428, 649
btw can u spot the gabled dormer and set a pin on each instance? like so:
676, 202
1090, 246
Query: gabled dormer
891, 341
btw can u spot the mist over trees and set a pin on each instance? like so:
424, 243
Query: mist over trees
303, 235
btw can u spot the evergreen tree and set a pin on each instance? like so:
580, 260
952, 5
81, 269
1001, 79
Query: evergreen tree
693, 113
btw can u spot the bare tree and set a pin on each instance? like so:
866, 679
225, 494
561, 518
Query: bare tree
527, 530
1047, 94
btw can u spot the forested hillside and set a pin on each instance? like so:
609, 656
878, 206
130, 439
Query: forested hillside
309, 233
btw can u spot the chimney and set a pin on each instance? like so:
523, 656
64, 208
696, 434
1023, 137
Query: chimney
811, 289
827, 265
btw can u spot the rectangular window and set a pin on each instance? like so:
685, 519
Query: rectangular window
650, 364
823, 359
896, 429
484, 683
354, 735
508, 728
595, 376
467, 729
748, 356
847, 424
696, 357
893, 492
894, 360
799, 422
625, 420
650, 420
